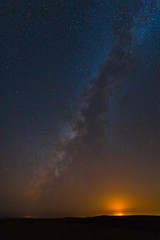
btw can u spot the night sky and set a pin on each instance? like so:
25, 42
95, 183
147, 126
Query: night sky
79, 107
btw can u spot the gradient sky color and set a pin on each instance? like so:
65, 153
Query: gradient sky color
80, 107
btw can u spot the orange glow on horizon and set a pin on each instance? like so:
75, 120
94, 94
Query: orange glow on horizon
119, 214
27, 216
118, 204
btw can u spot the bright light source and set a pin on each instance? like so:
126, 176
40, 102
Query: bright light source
119, 214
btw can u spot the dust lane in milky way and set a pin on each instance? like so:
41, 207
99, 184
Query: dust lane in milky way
80, 108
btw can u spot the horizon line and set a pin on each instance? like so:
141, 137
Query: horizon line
83, 217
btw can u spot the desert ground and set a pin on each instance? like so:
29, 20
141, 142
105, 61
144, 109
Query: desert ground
103, 227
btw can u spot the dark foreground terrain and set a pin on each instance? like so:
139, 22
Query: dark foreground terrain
128, 227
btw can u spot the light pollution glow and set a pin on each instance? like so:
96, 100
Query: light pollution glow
81, 143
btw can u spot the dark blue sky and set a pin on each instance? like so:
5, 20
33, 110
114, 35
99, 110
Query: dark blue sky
79, 106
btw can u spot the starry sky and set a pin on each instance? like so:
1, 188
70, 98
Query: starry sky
80, 107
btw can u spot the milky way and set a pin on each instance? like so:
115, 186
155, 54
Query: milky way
81, 109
